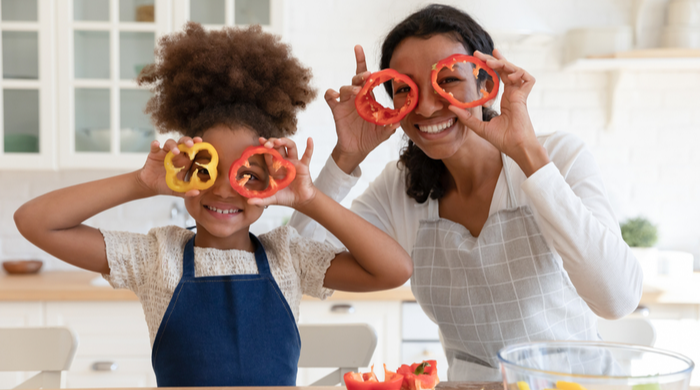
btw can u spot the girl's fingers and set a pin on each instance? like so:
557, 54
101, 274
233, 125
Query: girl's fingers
171, 146
262, 202
155, 146
288, 146
187, 141
306, 158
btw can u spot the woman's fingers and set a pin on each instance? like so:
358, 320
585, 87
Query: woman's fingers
360, 60
348, 92
359, 79
331, 96
464, 116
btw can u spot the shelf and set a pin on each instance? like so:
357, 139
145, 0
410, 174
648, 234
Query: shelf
649, 59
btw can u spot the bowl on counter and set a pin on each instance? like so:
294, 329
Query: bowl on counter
22, 267
585, 365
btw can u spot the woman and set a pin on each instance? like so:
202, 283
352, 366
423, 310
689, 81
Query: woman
512, 236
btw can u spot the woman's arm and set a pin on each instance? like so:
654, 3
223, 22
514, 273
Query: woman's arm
54, 221
574, 211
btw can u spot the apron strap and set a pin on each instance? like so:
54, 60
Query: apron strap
512, 202
260, 257
188, 260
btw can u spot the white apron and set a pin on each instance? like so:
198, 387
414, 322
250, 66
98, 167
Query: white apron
504, 287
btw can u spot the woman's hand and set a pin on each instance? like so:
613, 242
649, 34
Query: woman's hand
356, 137
152, 175
301, 191
512, 131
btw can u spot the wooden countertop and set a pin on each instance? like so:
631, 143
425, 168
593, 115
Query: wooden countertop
440, 386
78, 286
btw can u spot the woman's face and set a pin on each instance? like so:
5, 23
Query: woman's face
431, 126
220, 211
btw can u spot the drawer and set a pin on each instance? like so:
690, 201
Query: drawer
415, 324
126, 372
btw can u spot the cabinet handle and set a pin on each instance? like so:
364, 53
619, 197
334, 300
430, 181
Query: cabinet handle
104, 366
342, 308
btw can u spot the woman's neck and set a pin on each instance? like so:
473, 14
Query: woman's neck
239, 240
477, 163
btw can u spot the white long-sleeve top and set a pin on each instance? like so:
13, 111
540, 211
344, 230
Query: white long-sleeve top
567, 197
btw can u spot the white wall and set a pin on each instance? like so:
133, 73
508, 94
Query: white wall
648, 160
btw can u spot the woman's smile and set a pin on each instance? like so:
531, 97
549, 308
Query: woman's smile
437, 127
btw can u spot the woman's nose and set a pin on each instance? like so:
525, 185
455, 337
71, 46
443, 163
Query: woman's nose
429, 102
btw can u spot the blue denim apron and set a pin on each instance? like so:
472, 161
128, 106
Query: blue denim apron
234, 330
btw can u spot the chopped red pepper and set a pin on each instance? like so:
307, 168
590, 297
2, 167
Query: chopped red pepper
194, 183
419, 376
239, 183
368, 380
449, 63
371, 111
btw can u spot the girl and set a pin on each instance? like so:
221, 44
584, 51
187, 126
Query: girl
221, 305
512, 235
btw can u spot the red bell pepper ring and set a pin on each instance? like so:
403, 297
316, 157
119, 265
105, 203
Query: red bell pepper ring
195, 183
450, 62
419, 376
373, 112
369, 381
278, 162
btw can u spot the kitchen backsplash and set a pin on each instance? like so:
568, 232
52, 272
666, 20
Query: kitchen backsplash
648, 159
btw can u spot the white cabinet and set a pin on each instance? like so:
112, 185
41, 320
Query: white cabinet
383, 316
69, 98
15, 315
114, 349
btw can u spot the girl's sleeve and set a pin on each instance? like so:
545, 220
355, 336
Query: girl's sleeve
574, 211
377, 204
130, 256
311, 259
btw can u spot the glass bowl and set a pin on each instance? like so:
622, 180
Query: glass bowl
585, 365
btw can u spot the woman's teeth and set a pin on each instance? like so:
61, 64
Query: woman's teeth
231, 211
438, 127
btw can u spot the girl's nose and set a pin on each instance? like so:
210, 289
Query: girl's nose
222, 186
429, 101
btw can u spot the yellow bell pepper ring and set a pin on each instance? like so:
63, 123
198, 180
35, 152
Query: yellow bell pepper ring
194, 183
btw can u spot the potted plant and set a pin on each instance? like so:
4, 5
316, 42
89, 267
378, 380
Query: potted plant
641, 235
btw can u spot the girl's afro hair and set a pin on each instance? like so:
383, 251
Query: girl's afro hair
233, 76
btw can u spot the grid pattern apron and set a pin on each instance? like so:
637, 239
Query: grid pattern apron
503, 287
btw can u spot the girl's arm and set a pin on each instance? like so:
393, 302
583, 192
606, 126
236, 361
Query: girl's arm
54, 221
373, 261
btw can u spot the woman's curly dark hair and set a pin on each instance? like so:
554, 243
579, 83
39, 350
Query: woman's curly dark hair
425, 176
233, 76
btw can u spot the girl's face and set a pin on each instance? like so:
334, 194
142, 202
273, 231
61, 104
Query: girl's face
431, 125
223, 216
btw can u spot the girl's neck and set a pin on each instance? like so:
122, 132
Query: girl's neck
239, 240
477, 162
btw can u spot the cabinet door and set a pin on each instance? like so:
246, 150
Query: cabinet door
383, 316
27, 96
16, 315
114, 348
214, 14
104, 45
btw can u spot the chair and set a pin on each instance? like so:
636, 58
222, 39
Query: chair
48, 350
639, 331
346, 347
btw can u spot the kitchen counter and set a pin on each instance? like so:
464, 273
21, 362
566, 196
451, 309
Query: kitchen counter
89, 286
440, 386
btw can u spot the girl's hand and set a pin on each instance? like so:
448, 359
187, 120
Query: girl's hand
356, 137
301, 190
152, 175
512, 131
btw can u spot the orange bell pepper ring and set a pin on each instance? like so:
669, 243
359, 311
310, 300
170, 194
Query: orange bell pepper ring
371, 111
195, 183
239, 183
369, 381
449, 63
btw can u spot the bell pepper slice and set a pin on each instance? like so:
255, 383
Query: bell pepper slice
368, 380
278, 162
419, 376
194, 183
373, 112
449, 63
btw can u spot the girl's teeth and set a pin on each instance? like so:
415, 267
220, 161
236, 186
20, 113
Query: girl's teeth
222, 211
437, 128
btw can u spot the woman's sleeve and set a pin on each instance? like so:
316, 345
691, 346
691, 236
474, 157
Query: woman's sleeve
129, 256
570, 198
374, 205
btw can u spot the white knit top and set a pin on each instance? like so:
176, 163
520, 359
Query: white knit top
150, 265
